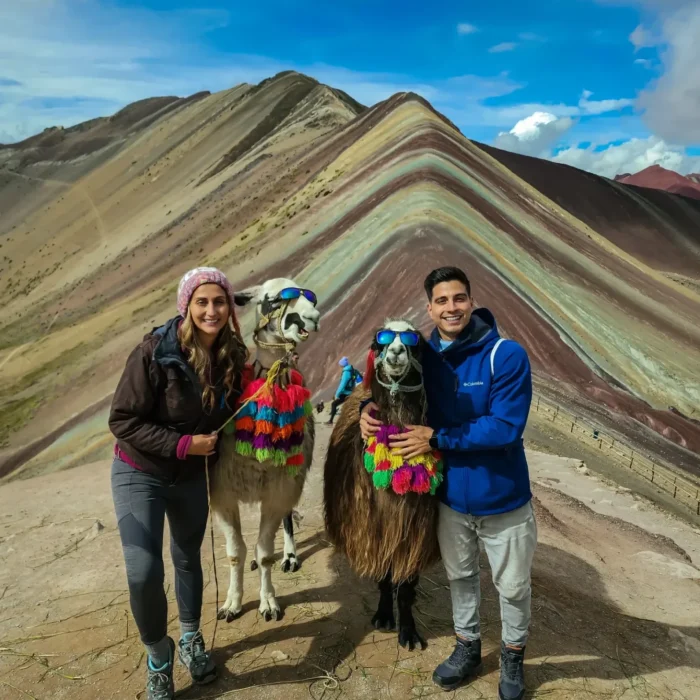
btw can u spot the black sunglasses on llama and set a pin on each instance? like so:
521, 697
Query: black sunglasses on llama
292, 293
386, 337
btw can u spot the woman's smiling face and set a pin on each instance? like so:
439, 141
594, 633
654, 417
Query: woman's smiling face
210, 309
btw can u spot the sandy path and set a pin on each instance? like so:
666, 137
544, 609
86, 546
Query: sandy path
616, 608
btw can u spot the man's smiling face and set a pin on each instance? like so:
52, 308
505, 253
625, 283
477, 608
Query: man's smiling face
450, 308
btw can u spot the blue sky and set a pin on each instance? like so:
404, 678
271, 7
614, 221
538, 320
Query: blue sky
602, 84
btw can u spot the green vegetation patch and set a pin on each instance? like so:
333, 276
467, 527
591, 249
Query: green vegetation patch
15, 414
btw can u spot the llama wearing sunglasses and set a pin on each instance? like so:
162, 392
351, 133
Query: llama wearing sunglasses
285, 315
380, 509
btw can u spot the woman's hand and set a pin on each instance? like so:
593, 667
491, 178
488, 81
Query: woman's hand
369, 426
203, 445
413, 442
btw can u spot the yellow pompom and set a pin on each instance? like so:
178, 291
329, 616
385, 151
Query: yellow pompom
396, 460
381, 453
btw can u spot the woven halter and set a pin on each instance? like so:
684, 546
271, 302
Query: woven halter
395, 386
265, 319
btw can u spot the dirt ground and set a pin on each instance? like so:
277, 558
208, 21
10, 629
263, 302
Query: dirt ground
616, 605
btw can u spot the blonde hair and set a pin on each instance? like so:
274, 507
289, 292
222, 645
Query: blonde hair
229, 352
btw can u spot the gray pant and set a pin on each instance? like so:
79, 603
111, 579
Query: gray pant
141, 502
509, 540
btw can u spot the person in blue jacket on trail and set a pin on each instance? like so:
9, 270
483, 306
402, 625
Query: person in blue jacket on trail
349, 379
479, 388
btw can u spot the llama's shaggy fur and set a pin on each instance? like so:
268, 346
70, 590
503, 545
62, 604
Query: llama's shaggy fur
378, 531
237, 479
386, 537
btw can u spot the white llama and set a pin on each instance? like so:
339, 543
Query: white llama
285, 314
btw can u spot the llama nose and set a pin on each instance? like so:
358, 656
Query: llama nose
311, 321
393, 354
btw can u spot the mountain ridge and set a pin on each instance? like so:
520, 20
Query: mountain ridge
357, 204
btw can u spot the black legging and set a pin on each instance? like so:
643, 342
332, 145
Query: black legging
335, 405
141, 502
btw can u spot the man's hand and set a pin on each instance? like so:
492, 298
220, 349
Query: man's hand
413, 442
203, 445
369, 426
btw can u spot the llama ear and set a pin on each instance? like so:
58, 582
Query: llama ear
244, 297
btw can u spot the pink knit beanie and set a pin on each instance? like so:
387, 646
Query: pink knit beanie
196, 278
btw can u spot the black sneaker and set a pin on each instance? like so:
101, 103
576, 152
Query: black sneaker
512, 683
159, 681
195, 657
464, 661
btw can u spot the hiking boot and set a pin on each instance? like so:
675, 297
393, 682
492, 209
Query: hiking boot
195, 657
464, 661
159, 681
512, 683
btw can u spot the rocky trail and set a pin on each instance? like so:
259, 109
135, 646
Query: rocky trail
616, 603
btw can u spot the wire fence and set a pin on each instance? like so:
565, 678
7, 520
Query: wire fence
682, 489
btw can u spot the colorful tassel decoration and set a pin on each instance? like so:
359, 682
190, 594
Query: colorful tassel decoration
270, 426
422, 474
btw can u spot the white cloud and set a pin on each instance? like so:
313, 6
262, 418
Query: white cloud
642, 38
671, 102
594, 107
629, 157
505, 116
531, 36
535, 135
465, 28
502, 48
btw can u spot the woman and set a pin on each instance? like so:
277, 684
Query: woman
179, 386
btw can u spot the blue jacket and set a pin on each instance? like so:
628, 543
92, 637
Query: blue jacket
347, 382
479, 420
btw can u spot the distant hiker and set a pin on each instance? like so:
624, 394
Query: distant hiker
178, 387
349, 379
478, 388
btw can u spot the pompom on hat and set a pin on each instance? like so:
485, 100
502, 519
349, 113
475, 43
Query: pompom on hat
343, 362
195, 278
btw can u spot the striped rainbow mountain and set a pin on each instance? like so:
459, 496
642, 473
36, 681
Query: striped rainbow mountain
599, 280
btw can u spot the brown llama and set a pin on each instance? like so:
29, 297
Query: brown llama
385, 536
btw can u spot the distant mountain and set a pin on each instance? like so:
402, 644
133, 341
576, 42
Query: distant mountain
658, 178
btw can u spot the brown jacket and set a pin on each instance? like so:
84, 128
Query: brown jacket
159, 400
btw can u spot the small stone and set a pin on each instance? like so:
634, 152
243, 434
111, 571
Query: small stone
278, 655
95, 530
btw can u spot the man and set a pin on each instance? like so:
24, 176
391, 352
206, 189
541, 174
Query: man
479, 390
349, 378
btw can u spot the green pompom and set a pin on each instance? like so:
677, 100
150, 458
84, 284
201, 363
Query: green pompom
382, 480
245, 449
263, 455
369, 462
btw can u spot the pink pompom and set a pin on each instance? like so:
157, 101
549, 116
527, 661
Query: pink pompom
401, 481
